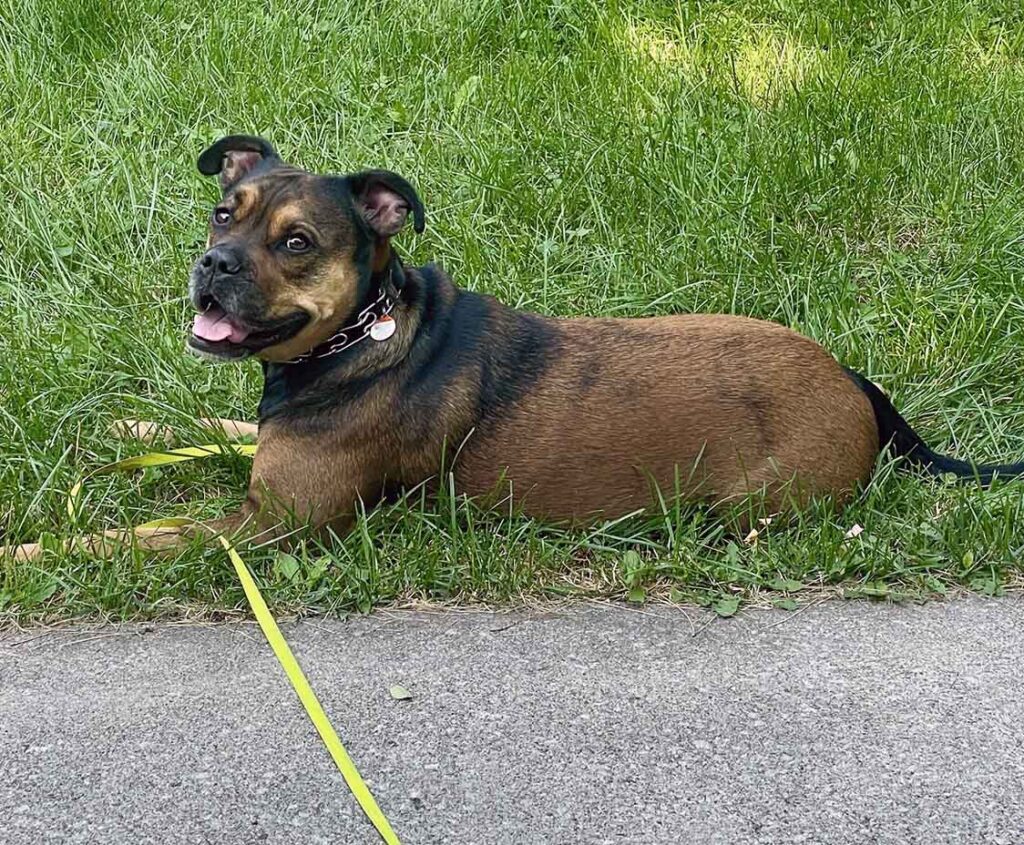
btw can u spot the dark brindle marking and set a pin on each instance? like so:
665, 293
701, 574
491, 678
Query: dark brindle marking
580, 418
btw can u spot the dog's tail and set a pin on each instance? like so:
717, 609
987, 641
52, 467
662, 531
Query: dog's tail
895, 433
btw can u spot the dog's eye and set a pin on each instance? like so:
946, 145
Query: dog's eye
297, 243
221, 216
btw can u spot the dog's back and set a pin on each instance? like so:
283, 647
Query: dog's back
707, 406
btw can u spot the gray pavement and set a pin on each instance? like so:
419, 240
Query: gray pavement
843, 723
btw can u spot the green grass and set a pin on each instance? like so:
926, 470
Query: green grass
852, 169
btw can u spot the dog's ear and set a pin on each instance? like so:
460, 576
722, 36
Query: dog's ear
384, 199
233, 156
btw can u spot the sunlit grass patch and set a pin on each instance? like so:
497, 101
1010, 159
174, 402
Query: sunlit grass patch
757, 61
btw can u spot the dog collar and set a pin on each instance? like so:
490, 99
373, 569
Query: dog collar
374, 321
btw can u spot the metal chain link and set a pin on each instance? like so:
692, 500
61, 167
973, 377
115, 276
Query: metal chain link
342, 339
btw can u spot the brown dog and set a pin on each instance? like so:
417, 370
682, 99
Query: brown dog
380, 376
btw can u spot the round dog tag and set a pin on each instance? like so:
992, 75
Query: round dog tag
383, 328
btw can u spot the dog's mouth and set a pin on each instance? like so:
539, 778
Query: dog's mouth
215, 326
216, 332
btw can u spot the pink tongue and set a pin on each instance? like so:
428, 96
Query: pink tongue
214, 325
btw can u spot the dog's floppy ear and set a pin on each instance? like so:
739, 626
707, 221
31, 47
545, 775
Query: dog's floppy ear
233, 156
384, 199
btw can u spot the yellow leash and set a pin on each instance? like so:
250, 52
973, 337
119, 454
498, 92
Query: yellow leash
308, 698
158, 459
263, 616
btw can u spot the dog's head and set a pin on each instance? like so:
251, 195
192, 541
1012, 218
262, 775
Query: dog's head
291, 254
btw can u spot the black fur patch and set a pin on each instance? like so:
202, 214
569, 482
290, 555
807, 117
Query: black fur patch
502, 353
462, 337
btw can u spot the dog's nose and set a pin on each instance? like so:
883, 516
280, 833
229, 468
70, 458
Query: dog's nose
222, 260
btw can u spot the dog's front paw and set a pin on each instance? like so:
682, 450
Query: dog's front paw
25, 553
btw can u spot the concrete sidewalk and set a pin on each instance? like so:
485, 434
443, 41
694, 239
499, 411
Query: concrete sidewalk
844, 723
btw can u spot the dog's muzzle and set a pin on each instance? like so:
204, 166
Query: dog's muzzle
220, 267
217, 289
232, 319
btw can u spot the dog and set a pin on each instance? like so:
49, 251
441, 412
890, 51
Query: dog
379, 377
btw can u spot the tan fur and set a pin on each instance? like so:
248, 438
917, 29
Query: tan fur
285, 219
106, 543
328, 295
244, 201
328, 298
710, 406
324, 492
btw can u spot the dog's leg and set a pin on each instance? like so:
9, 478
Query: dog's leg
151, 539
312, 501
237, 527
102, 545
233, 429
151, 432
143, 430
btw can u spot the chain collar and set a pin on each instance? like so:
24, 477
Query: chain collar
352, 334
